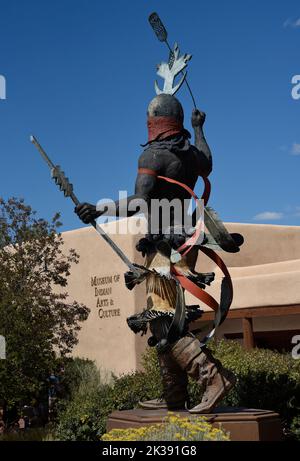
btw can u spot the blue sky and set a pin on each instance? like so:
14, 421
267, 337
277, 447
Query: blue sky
80, 75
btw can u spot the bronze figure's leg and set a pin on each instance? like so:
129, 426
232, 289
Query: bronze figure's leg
174, 378
184, 357
200, 365
174, 381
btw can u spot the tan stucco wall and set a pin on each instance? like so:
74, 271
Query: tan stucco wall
266, 272
108, 341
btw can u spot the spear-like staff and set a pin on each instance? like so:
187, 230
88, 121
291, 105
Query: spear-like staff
67, 188
221, 237
162, 35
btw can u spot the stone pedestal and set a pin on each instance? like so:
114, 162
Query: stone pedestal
243, 424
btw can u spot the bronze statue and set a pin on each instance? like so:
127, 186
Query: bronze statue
168, 168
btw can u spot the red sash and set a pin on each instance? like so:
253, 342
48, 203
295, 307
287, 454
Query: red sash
187, 284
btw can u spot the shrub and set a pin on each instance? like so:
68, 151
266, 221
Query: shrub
79, 413
29, 435
295, 427
266, 380
174, 428
84, 416
78, 372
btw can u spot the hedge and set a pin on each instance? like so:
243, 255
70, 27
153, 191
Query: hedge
266, 379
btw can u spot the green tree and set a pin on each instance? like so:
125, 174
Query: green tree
36, 318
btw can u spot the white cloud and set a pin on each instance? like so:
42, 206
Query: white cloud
295, 150
292, 23
268, 216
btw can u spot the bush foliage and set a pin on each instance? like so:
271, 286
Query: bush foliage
266, 380
37, 321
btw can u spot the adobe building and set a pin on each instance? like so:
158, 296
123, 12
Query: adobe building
266, 277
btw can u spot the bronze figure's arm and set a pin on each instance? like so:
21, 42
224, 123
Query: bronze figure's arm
205, 157
143, 188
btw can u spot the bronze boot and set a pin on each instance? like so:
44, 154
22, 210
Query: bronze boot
200, 365
174, 381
